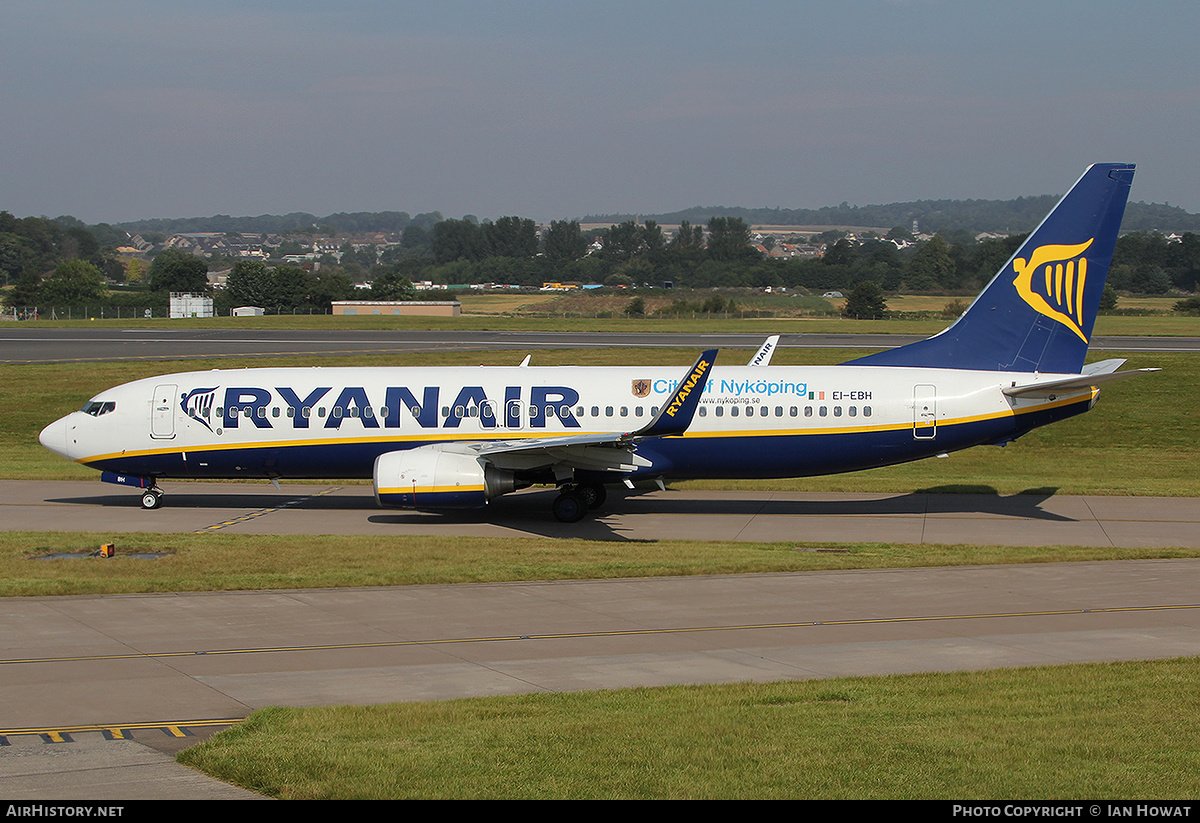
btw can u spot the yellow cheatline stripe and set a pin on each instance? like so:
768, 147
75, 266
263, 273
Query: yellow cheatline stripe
614, 633
407, 490
448, 436
885, 427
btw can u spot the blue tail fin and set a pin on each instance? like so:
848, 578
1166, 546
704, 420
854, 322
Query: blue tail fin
1037, 313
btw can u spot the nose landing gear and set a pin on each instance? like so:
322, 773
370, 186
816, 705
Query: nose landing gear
151, 493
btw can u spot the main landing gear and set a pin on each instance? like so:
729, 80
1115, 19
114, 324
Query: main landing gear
574, 501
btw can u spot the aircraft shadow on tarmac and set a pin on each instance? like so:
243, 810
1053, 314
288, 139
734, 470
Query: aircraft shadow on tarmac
529, 512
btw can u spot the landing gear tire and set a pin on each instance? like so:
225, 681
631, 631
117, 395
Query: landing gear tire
594, 493
151, 499
570, 507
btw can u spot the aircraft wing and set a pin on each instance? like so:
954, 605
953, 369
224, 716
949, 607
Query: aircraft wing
609, 451
1093, 375
598, 452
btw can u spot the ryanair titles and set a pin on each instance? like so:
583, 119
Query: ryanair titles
320, 407
440, 407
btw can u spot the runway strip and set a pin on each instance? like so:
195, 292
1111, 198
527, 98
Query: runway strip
27, 343
438, 641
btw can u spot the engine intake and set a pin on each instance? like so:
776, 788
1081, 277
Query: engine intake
430, 477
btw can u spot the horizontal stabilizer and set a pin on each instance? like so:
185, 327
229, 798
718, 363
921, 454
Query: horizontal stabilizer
1080, 382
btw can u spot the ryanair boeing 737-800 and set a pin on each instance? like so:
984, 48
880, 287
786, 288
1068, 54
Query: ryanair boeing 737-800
439, 438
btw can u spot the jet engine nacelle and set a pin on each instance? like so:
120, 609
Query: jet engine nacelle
430, 477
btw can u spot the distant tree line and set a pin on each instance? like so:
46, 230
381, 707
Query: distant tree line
64, 262
388, 222
1148, 263
286, 287
998, 216
995, 216
720, 254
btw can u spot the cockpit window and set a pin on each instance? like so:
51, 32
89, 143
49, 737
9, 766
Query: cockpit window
97, 407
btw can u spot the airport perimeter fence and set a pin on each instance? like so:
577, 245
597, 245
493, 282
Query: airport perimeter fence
107, 312
95, 312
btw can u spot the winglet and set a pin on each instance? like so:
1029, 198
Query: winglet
676, 414
762, 357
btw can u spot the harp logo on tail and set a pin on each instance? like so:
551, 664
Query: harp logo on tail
1052, 283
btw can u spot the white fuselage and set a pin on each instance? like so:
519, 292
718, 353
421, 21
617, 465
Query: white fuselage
771, 421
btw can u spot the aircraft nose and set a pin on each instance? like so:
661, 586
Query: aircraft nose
54, 437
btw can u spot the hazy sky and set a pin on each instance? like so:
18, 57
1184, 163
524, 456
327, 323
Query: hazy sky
129, 109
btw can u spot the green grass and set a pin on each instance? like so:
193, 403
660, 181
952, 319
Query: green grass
227, 562
1101, 731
